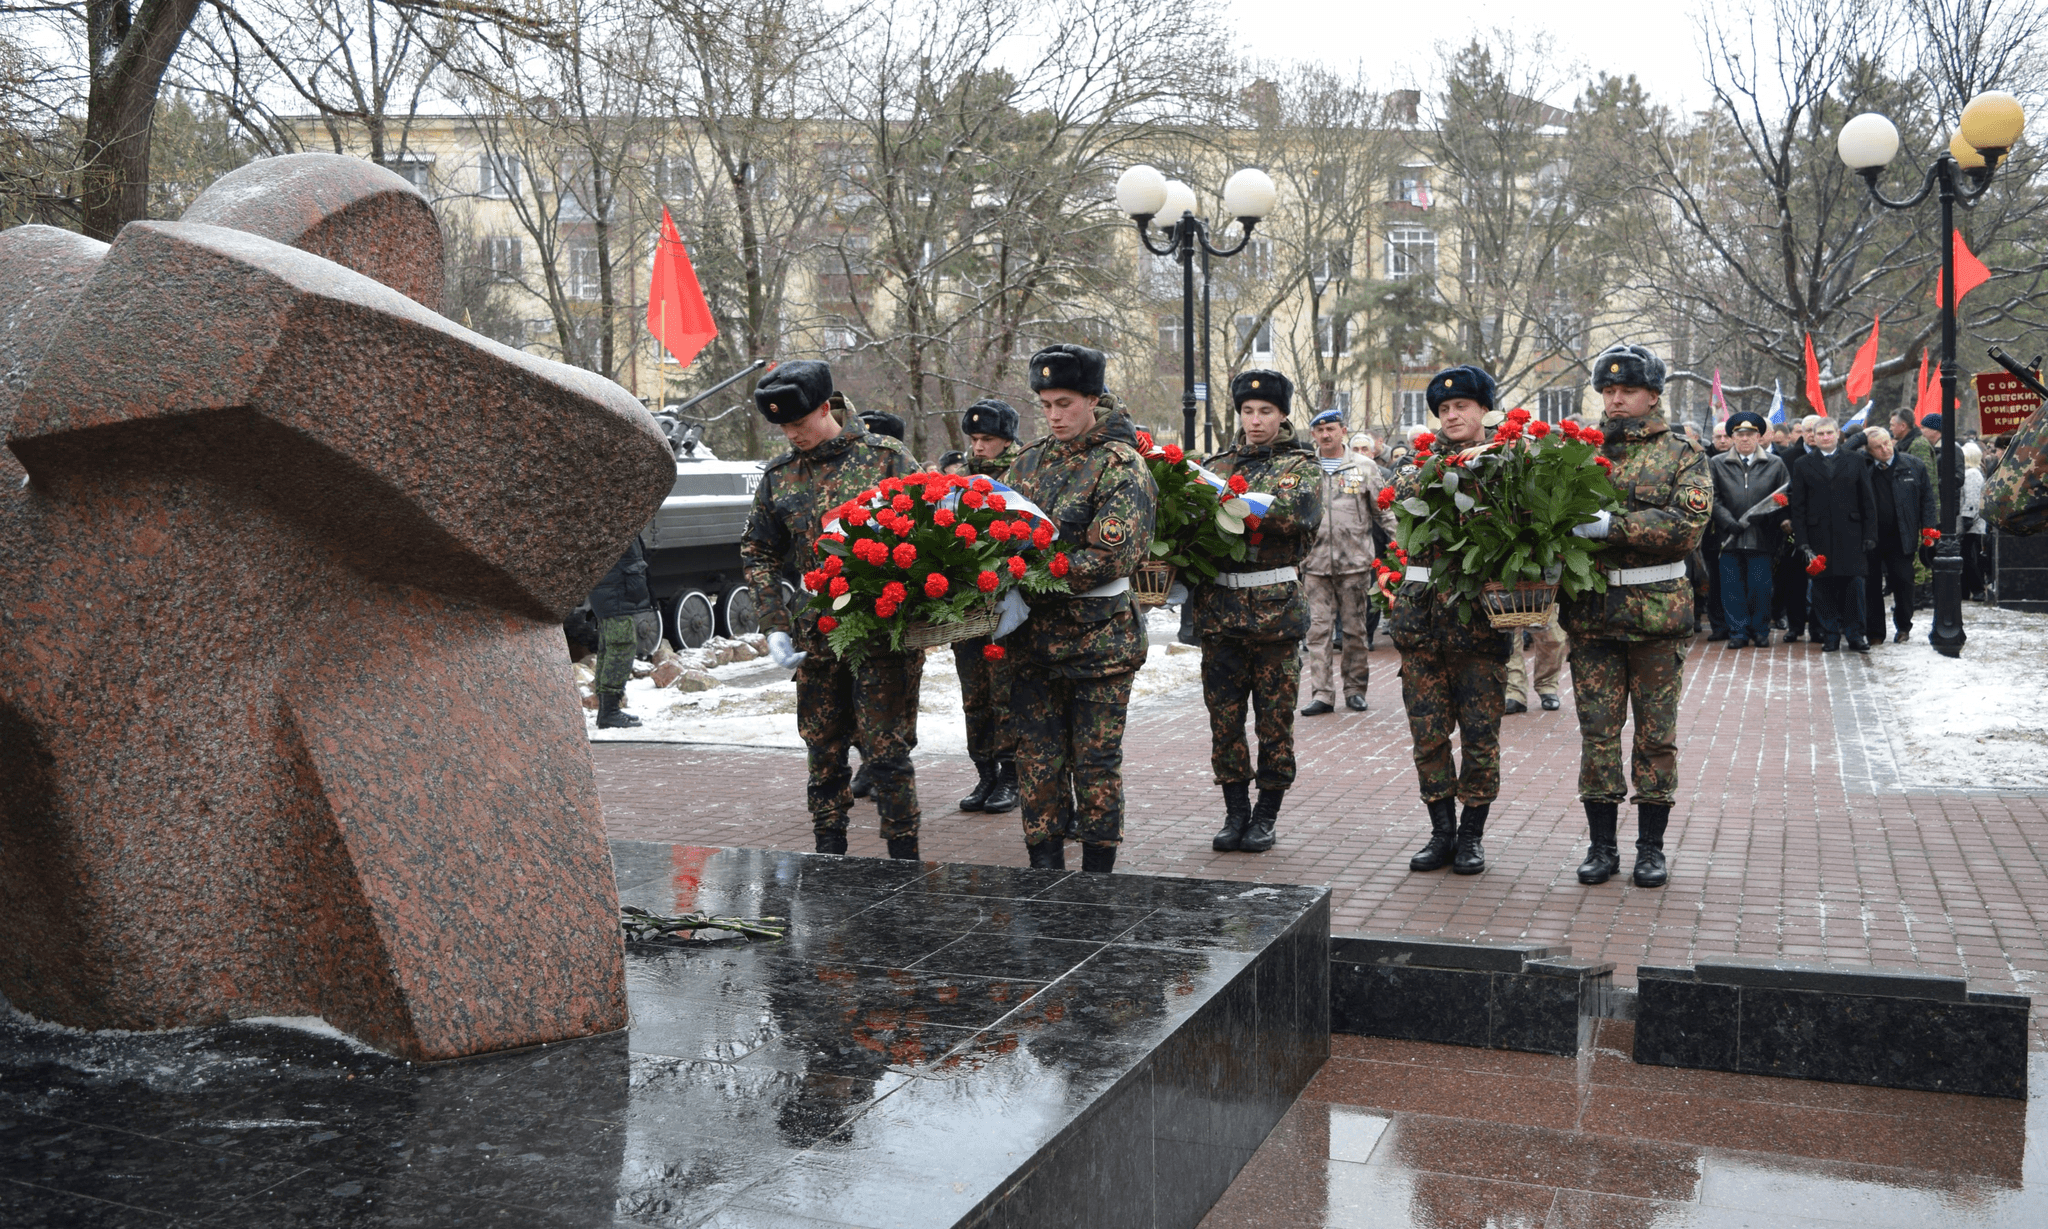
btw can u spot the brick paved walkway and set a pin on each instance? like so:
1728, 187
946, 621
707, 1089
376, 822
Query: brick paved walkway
1771, 853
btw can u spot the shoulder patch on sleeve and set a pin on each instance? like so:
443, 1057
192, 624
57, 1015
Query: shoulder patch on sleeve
1695, 499
1113, 530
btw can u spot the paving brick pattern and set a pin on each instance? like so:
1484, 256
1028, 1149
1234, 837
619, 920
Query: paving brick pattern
1771, 853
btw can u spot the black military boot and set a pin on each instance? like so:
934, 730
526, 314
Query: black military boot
1100, 859
830, 840
611, 717
1603, 855
863, 781
1237, 816
1471, 856
903, 848
1443, 837
1048, 855
979, 798
1651, 872
1259, 837
1002, 796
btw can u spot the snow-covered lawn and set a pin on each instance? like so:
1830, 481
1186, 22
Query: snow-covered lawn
755, 703
1980, 720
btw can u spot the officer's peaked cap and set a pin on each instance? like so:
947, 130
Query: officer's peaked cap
1750, 419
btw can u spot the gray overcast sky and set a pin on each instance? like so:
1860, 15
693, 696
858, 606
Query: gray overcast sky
1396, 42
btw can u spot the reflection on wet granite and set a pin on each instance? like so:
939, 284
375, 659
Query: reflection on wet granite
932, 1045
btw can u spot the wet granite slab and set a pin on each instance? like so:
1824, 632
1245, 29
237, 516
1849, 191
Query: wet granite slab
933, 1045
1848, 1025
1530, 997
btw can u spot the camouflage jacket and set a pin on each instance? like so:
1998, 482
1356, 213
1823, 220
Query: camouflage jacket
997, 467
1428, 618
1100, 494
797, 489
1667, 500
1288, 472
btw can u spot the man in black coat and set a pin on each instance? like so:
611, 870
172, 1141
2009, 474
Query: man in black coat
1834, 520
1788, 588
618, 597
1904, 495
1748, 483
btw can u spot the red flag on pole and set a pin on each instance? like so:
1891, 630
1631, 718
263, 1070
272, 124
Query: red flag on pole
1863, 371
1929, 400
1970, 272
1813, 397
677, 314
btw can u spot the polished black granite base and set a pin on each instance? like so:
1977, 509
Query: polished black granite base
1849, 1025
1502, 996
932, 1045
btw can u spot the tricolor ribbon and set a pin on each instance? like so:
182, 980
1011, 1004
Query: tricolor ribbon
1012, 502
1259, 501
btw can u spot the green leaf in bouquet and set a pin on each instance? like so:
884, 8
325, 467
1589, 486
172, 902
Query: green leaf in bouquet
1237, 508
834, 548
1161, 549
1465, 502
1227, 522
1449, 481
1415, 506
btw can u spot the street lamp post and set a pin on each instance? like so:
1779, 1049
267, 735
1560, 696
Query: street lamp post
1991, 122
1145, 194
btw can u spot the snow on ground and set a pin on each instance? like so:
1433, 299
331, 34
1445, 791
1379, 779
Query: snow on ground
1980, 720
755, 703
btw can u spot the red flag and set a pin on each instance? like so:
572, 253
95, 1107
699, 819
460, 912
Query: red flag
1970, 272
1813, 397
677, 314
1863, 370
1930, 393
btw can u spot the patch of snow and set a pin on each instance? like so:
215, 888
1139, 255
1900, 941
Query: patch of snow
1978, 721
755, 706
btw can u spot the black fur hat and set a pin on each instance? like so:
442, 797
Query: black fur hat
1072, 367
990, 416
1468, 382
882, 422
793, 390
1628, 365
1260, 384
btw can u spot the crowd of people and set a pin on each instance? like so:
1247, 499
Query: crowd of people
1769, 532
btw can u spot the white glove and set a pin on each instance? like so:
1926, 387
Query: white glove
1014, 611
1178, 595
782, 652
1595, 528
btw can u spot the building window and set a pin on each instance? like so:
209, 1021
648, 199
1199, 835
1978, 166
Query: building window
415, 171
500, 256
1557, 404
1333, 335
674, 180
1410, 190
1258, 258
1255, 337
584, 280
838, 337
1340, 401
497, 176
1334, 265
1411, 251
1414, 407
1170, 335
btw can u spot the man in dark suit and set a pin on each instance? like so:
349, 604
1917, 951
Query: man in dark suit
1834, 519
1904, 496
1788, 587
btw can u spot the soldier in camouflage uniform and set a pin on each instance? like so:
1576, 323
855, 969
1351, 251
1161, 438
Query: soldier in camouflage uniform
1453, 662
1629, 643
990, 426
1252, 620
876, 705
1075, 655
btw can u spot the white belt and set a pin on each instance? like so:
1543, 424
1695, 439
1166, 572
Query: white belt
1252, 580
1647, 576
1111, 589
1415, 573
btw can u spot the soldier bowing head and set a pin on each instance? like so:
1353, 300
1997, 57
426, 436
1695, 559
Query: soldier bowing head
1263, 399
1068, 380
797, 396
1461, 398
1630, 380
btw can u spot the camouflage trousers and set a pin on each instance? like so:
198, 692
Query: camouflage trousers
1071, 729
1467, 691
874, 706
1547, 652
615, 659
1268, 672
1609, 677
1329, 598
985, 696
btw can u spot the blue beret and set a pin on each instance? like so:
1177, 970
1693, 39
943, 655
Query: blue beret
1468, 382
1333, 414
1931, 422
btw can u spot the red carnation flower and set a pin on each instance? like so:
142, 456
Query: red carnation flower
935, 584
1401, 554
987, 582
1518, 414
1000, 531
1018, 567
1426, 440
856, 515
933, 493
1539, 429
1930, 536
868, 496
894, 592
964, 532
1570, 429
943, 517
1605, 464
997, 503
834, 565
974, 499
885, 609
1593, 436
905, 554
982, 485
1041, 537
814, 580
992, 652
837, 586
1386, 498
827, 624
1818, 565
1238, 486
1779, 499
901, 503
1059, 564
1175, 453
1020, 529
